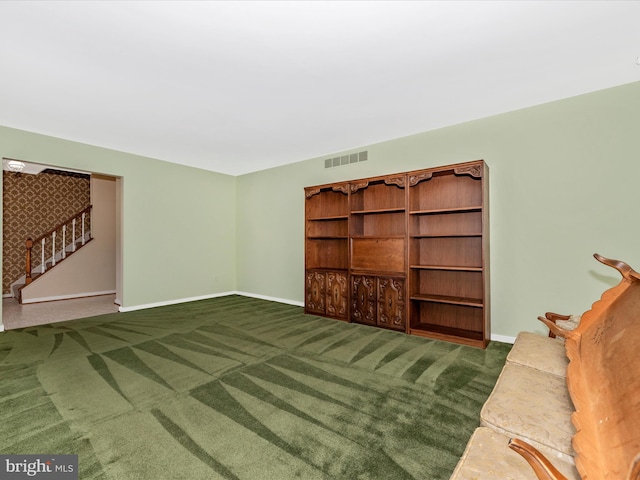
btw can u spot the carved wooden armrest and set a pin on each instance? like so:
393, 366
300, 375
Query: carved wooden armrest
634, 471
550, 319
542, 467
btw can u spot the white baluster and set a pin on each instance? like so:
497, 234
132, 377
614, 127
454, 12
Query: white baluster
53, 249
64, 241
42, 265
83, 215
73, 228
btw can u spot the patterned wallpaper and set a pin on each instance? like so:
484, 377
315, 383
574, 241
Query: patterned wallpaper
33, 205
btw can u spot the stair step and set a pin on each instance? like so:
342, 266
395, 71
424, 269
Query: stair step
49, 265
16, 290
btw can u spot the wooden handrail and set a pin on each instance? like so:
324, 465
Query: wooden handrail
27, 278
29, 243
59, 226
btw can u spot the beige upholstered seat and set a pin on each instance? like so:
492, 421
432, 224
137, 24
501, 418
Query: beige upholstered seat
534, 406
488, 457
539, 352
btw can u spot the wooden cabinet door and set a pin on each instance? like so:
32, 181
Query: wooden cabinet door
363, 299
337, 294
391, 303
316, 292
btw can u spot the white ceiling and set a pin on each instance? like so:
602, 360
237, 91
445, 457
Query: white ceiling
236, 87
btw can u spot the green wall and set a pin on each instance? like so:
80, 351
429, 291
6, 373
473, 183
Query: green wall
563, 178
178, 222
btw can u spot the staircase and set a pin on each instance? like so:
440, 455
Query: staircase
53, 248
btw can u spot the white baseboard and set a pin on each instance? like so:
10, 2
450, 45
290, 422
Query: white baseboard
272, 299
494, 337
7, 295
205, 297
1, 327
173, 302
67, 297
503, 338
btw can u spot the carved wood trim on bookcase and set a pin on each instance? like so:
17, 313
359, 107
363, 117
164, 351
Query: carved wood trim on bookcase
416, 179
473, 170
357, 186
399, 181
344, 188
310, 192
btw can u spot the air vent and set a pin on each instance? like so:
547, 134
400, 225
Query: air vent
346, 159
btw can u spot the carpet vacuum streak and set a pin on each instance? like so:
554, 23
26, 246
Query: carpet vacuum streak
240, 388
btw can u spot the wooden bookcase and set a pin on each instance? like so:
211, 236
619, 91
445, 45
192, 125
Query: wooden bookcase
327, 250
407, 251
448, 253
377, 267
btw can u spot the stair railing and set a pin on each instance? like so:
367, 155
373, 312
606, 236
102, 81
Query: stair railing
83, 218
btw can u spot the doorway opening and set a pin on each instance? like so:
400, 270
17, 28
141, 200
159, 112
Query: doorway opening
87, 283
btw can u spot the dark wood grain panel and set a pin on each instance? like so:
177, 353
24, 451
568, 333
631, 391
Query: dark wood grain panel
378, 254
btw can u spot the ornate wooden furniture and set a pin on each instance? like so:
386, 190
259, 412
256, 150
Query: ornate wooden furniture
407, 251
603, 377
574, 418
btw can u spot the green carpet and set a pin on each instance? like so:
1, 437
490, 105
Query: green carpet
240, 388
